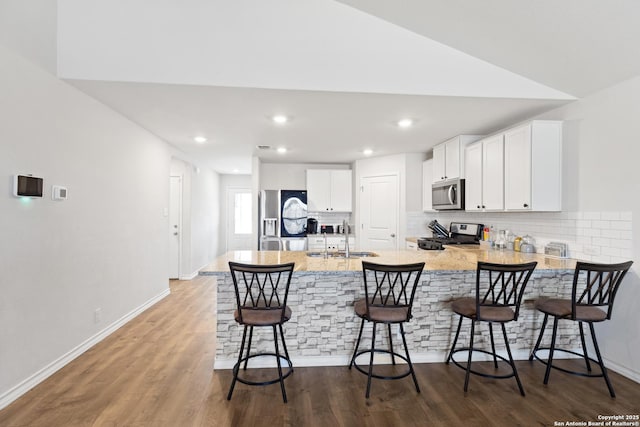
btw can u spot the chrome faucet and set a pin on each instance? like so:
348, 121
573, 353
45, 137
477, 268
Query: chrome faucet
326, 250
345, 230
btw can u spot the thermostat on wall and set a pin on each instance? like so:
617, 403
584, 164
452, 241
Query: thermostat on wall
58, 192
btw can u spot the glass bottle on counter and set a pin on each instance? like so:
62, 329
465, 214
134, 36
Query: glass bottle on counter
501, 240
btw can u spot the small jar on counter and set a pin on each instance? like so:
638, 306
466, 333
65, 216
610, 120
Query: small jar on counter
516, 243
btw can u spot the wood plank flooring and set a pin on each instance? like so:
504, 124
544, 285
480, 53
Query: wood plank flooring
157, 371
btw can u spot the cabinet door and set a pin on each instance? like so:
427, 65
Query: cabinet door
427, 181
493, 173
318, 190
341, 191
473, 180
517, 168
452, 159
438, 162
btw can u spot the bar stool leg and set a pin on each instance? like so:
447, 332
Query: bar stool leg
553, 346
406, 350
542, 328
466, 377
584, 347
275, 340
604, 370
393, 357
493, 345
248, 347
511, 362
373, 346
455, 341
237, 365
355, 350
284, 345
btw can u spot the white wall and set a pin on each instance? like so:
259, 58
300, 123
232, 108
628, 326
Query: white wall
602, 164
105, 247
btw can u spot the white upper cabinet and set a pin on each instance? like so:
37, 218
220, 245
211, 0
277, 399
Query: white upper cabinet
533, 166
427, 180
448, 157
329, 190
484, 175
473, 180
493, 173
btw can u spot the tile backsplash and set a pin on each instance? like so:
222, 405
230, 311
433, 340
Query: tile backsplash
591, 236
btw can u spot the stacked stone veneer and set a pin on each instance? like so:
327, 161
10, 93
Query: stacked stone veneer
324, 327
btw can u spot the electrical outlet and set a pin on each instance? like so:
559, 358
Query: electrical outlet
97, 315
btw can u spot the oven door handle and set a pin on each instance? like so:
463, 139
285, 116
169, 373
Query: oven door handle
452, 194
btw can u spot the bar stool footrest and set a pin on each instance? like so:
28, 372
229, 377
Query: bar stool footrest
378, 376
482, 374
568, 371
236, 369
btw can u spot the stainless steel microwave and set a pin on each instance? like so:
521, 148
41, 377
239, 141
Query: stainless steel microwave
448, 195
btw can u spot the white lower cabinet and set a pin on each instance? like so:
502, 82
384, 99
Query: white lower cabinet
334, 243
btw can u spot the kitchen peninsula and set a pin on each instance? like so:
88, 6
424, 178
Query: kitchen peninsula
324, 327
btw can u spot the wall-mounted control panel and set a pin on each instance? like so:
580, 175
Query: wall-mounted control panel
27, 186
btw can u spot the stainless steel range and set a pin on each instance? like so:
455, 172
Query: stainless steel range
460, 233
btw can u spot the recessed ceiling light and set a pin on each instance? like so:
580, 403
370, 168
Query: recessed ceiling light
280, 119
236, 171
405, 123
367, 151
282, 150
200, 139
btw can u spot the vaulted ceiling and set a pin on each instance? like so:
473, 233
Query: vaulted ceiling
343, 71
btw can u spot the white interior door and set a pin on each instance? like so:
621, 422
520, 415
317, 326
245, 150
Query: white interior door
239, 219
379, 206
175, 225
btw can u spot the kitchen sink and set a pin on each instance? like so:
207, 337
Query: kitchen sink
342, 254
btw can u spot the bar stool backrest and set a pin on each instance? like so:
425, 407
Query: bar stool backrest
600, 285
261, 287
502, 285
391, 286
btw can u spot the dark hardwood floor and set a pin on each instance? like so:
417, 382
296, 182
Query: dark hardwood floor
157, 371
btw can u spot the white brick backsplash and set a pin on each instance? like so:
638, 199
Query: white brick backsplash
586, 233
621, 225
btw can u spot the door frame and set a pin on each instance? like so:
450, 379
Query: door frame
398, 210
179, 202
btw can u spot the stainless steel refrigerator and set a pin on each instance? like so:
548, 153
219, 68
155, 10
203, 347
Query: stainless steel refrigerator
283, 220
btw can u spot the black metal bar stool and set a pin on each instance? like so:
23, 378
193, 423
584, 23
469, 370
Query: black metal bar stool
389, 291
593, 291
261, 297
499, 291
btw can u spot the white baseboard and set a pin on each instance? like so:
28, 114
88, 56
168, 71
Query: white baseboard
44, 373
189, 276
193, 274
619, 369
